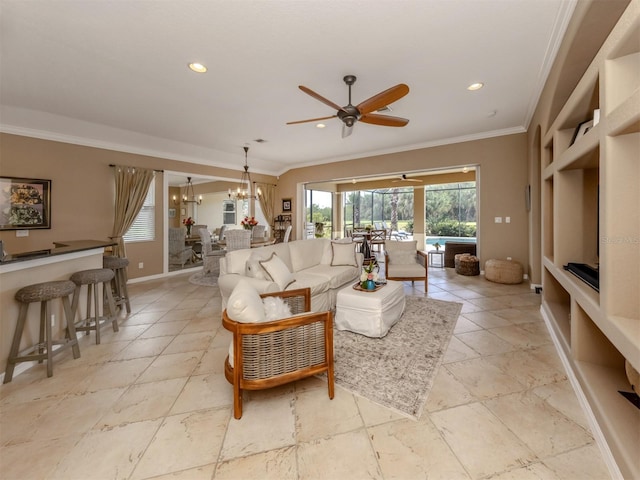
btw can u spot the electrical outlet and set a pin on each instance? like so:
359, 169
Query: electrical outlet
22, 233
141, 265
508, 258
507, 219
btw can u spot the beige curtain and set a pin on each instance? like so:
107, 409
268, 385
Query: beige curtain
267, 199
132, 186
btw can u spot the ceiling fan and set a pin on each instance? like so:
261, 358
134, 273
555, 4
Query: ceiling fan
364, 111
404, 178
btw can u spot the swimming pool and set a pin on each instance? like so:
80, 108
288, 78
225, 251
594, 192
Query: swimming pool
441, 240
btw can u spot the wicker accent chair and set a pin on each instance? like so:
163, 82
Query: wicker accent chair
179, 253
274, 353
258, 231
237, 239
403, 261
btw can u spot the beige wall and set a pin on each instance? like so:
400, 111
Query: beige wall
502, 176
83, 193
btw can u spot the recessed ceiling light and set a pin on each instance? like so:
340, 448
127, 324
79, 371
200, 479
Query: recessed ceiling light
320, 125
475, 86
197, 67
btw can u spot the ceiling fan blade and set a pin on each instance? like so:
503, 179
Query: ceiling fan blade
311, 120
383, 99
404, 178
385, 120
319, 97
346, 131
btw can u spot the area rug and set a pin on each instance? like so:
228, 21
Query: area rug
202, 279
397, 371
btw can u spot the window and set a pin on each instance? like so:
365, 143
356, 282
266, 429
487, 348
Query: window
319, 212
451, 210
228, 212
144, 226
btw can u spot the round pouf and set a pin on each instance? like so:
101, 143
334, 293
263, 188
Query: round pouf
467, 264
503, 271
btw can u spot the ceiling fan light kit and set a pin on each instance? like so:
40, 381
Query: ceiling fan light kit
364, 111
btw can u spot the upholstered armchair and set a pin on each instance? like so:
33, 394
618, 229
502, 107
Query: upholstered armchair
267, 353
179, 253
403, 261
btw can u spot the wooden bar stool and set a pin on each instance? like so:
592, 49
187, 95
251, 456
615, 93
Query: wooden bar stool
92, 279
43, 293
119, 266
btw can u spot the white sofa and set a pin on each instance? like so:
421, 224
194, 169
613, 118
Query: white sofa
318, 263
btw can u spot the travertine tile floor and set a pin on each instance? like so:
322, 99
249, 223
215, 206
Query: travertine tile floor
152, 402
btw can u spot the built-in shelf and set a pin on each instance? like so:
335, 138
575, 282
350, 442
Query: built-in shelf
590, 214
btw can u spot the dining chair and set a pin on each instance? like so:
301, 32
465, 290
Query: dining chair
237, 239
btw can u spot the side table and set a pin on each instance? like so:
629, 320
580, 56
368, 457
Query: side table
436, 253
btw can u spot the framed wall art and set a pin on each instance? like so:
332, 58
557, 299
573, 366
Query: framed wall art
286, 204
25, 203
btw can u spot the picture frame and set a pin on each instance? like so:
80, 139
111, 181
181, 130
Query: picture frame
183, 212
581, 129
172, 213
286, 204
25, 203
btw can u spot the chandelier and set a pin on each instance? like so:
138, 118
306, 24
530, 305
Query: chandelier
243, 192
188, 196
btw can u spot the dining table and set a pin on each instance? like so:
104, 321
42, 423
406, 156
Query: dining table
255, 242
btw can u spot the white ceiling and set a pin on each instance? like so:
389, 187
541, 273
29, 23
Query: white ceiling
114, 74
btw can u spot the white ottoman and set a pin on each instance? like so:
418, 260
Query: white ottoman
370, 313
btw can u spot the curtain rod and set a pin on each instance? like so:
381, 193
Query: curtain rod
159, 171
271, 184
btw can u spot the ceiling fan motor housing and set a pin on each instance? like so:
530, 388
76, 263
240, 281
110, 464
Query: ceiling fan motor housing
349, 115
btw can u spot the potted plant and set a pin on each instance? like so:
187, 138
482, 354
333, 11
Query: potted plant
437, 245
188, 222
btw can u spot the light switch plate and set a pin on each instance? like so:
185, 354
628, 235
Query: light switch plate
22, 233
498, 219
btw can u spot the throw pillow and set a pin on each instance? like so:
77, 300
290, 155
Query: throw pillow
245, 304
402, 253
278, 271
253, 268
343, 254
275, 308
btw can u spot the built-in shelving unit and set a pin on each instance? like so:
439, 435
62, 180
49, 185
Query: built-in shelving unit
591, 215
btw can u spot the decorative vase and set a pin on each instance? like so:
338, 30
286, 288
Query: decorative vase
188, 230
371, 285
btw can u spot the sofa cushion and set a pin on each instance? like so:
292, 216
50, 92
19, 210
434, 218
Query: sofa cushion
401, 253
278, 271
335, 276
306, 253
343, 254
317, 283
245, 304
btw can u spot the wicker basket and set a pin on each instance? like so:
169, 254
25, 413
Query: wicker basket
503, 271
466, 264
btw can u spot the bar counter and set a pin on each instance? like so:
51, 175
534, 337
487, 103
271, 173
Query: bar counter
20, 270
